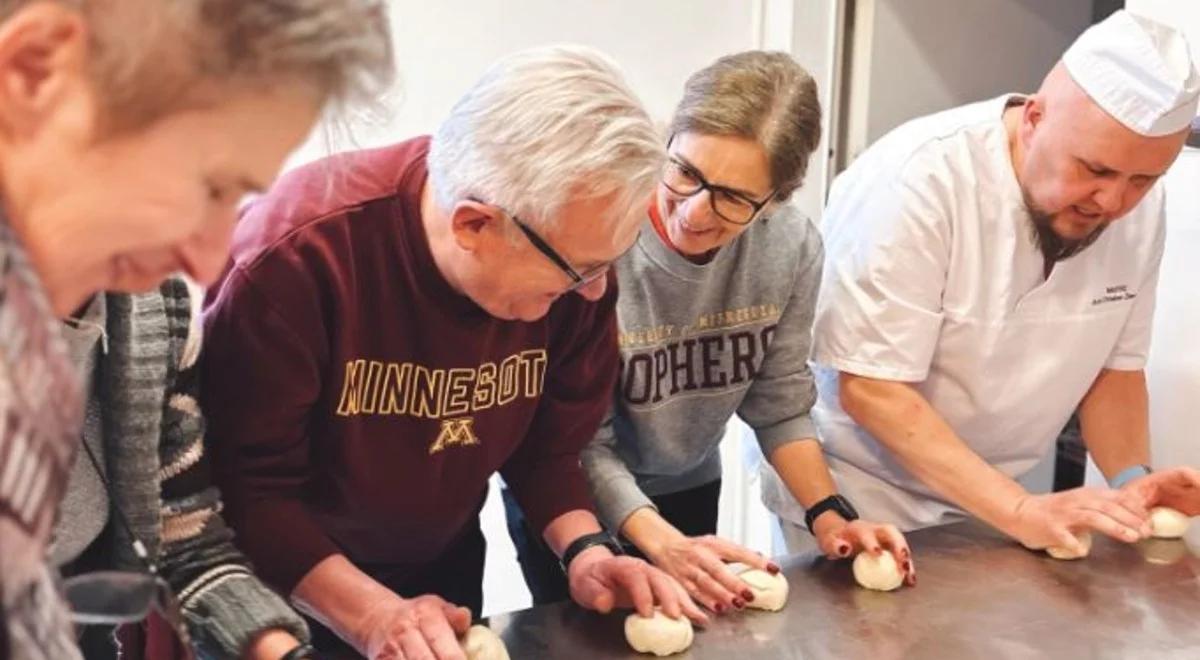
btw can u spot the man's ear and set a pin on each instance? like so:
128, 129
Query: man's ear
43, 61
1032, 114
470, 222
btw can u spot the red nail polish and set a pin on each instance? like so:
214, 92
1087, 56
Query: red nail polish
748, 596
773, 568
737, 602
719, 608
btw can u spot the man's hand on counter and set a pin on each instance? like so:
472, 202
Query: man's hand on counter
1177, 488
601, 581
1050, 520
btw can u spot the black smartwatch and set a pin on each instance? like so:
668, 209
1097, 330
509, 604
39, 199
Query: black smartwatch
834, 502
588, 541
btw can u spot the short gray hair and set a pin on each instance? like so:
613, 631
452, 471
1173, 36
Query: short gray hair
761, 95
542, 127
150, 56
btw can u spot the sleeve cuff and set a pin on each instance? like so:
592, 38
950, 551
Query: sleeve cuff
776, 435
227, 607
617, 499
1126, 364
871, 370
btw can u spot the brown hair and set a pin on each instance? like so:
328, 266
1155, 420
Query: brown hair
761, 95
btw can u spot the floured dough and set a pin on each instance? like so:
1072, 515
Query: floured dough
1167, 523
1085, 539
770, 591
880, 573
659, 634
480, 643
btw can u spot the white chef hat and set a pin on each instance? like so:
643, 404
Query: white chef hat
1139, 71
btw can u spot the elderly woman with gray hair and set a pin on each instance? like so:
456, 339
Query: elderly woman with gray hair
121, 161
715, 319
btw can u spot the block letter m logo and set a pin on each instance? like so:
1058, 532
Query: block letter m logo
459, 431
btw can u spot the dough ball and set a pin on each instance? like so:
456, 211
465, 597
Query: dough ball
880, 573
480, 643
659, 634
1085, 538
770, 591
1162, 551
1167, 523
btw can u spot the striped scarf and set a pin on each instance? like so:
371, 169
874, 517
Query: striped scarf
40, 417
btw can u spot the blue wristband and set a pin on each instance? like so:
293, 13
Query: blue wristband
1129, 474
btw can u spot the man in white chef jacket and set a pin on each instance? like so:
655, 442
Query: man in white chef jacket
991, 269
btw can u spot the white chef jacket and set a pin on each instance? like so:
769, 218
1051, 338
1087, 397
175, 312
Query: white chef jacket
933, 277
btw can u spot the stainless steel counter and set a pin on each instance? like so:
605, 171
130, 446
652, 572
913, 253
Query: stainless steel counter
978, 595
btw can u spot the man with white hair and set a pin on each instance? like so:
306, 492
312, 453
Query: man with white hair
400, 323
989, 270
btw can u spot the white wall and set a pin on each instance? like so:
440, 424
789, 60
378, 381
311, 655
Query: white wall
1174, 368
444, 45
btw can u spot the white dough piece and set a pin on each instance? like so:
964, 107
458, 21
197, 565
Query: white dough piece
480, 643
880, 573
659, 634
1167, 523
1085, 539
770, 591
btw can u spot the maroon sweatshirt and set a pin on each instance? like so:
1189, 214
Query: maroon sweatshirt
357, 404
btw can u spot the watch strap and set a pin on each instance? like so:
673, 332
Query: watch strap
1129, 474
834, 502
588, 541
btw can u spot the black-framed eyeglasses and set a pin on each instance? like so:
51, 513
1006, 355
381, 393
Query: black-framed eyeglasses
578, 279
730, 205
116, 597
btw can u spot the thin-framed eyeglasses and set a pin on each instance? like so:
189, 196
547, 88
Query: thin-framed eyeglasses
578, 279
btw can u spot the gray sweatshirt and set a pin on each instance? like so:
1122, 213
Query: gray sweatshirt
698, 344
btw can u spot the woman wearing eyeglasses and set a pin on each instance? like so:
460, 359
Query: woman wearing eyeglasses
129, 129
715, 315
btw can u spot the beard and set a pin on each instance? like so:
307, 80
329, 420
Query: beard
1055, 248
